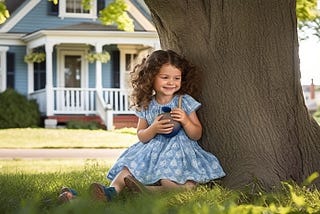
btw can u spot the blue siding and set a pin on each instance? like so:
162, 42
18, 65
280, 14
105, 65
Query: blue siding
21, 69
54, 67
39, 19
108, 80
107, 69
92, 75
106, 75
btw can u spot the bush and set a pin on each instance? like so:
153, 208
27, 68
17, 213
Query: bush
16, 111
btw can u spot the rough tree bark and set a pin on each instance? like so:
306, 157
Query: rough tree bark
254, 116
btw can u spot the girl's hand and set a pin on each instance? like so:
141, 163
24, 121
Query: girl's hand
180, 115
162, 126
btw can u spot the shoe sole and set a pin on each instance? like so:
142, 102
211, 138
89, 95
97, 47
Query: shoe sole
134, 185
64, 197
97, 192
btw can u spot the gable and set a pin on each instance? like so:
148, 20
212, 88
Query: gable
35, 15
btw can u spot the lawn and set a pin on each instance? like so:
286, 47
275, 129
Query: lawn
36, 191
66, 138
32, 186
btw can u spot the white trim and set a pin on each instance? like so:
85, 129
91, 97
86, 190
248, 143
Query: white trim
3, 68
139, 17
83, 37
92, 14
30, 75
72, 50
9, 24
11, 39
139, 50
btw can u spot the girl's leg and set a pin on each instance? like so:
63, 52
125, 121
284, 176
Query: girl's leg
118, 181
169, 185
102, 193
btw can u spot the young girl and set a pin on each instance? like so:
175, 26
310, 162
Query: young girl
171, 162
159, 162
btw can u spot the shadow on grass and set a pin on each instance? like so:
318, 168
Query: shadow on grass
38, 193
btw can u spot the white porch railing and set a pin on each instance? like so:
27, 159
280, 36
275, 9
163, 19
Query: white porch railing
119, 100
40, 97
83, 100
74, 100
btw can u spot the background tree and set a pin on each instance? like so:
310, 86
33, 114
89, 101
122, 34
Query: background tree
309, 19
4, 13
254, 116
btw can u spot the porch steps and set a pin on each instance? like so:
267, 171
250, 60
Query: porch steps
119, 121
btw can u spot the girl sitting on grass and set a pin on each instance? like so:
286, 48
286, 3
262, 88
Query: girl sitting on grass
166, 157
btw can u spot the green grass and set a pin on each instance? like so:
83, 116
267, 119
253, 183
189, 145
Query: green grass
66, 138
32, 186
40, 166
25, 191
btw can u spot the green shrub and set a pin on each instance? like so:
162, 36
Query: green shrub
16, 111
77, 124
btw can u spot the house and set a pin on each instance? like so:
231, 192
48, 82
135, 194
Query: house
57, 41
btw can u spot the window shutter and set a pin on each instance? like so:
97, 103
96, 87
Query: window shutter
115, 63
10, 69
53, 9
101, 4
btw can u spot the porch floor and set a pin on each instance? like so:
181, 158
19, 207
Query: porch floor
119, 121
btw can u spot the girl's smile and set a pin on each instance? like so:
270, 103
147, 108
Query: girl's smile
167, 82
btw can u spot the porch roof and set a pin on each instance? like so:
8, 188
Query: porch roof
90, 33
87, 26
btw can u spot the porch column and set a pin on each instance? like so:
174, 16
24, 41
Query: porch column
3, 68
98, 48
49, 81
30, 74
122, 67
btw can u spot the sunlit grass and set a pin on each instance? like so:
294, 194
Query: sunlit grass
66, 138
38, 166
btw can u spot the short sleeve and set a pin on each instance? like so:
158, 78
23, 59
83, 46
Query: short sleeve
141, 114
189, 104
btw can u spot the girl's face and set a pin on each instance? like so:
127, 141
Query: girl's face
167, 81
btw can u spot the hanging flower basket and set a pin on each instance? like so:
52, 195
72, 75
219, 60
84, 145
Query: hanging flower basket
103, 57
35, 57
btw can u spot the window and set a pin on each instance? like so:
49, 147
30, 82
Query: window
74, 9
129, 63
39, 75
10, 70
130, 60
74, 6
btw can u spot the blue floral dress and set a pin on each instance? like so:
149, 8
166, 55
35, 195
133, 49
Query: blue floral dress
177, 158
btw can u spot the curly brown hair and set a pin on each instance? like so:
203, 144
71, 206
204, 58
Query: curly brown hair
143, 76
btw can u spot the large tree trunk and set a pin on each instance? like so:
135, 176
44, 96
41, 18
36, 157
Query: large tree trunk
254, 117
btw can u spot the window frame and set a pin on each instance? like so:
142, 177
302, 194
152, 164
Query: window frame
64, 14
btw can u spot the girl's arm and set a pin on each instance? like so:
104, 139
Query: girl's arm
146, 132
190, 123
